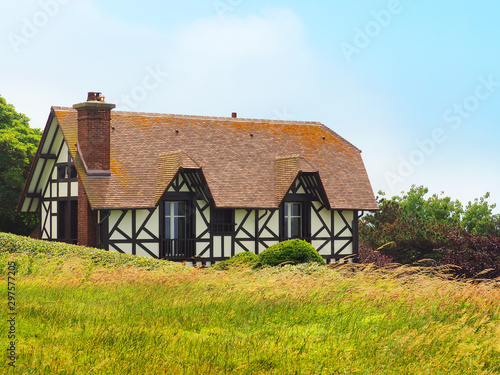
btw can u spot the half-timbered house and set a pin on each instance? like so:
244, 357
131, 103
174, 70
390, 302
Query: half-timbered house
194, 188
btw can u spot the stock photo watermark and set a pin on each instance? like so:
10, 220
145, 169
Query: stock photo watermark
283, 114
454, 118
372, 29
138, 94
31, 26
11, 314
222, 7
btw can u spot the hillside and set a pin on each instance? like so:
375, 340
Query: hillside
84, 311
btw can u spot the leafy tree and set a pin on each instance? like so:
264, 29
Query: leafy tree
18, 145
411, 227
479, 219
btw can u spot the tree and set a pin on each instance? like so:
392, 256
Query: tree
479, 219
412, 226
18, 145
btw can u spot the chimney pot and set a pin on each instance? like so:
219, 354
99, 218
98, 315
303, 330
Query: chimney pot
234, 115
94, 97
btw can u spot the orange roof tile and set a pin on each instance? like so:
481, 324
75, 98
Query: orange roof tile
244, 161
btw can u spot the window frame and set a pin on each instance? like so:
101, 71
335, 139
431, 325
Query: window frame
305, 226
222, 221
289, 218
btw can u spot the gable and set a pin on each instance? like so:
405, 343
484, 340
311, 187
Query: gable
49, 150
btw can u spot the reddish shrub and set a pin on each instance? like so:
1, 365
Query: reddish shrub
473, 254
370, 255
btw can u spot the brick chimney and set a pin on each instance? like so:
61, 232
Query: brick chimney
94, 117
94, 122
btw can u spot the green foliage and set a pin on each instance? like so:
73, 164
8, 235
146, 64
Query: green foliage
416, 226
291, 252
245, 259
28, 247
18, 145
479, 219
412, 223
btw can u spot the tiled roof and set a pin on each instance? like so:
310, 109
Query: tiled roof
287, 169
246, 163
168, 166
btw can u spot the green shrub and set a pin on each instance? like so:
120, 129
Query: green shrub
31, 248
290, 252
245, 259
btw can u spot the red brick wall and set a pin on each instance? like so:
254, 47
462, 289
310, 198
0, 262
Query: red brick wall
87, 220
94, 137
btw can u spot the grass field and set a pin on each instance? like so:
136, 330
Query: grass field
82, 311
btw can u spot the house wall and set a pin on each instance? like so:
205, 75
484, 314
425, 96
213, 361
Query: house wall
133, 231
57, 189
139, 231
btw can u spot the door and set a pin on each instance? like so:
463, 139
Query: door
178, 242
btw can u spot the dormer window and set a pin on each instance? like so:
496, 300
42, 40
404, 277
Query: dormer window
293, 220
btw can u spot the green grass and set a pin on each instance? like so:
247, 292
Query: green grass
83, 311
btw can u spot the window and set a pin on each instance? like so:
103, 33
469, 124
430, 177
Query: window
178, 242
72, 172
62, 218
293, 220
67, 220
175, 220
61, 172
222, 220
66, 171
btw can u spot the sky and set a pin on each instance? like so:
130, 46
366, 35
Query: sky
414, 84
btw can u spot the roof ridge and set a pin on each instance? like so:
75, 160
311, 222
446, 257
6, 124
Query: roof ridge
204, 117
242, 119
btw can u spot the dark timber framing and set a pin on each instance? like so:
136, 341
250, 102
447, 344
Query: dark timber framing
254, 229
58, 201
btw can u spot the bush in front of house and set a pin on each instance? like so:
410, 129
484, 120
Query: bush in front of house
290, 252
245, 259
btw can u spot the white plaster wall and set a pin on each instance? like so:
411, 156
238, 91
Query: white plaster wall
347, 251
316, 223
217, 249
126, 248
200, 224
63, 155
249, 226
58, 140
125, 225
200, 246
63, 189
273, 223
152, 247
340, 225
43, 216
227, 245
152, 224
74, 189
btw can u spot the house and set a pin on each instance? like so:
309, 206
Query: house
194, 188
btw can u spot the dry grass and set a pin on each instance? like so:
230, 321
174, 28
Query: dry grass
78, 315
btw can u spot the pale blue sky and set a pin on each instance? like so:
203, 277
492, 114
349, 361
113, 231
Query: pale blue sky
414, 84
